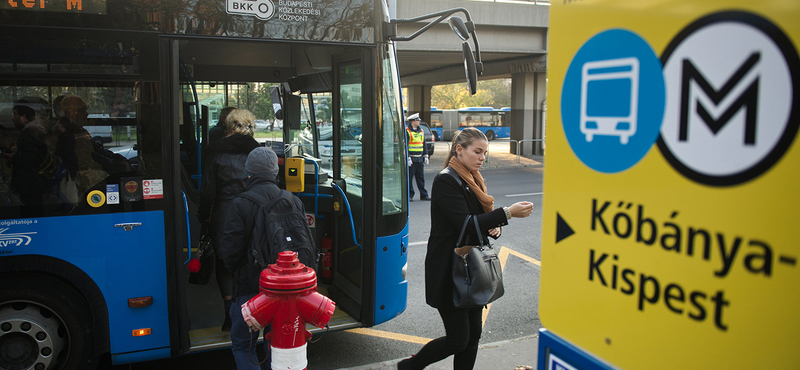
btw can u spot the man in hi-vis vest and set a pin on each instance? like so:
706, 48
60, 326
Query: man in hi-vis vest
417, 157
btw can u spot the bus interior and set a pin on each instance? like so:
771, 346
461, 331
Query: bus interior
246, 74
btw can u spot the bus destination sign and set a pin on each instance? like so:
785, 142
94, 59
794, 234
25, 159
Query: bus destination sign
68, 6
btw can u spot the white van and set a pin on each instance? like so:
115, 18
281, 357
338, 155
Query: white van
100, 134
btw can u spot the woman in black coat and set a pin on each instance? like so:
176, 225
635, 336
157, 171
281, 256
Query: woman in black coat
451, 204
224, 177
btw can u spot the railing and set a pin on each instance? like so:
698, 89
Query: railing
537, 2
517, 144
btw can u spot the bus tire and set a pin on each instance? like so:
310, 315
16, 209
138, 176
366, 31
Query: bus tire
490, 135
44, 321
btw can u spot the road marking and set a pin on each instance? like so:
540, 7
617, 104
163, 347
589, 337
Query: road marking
502, 256
417, 243
389, 335
523, 195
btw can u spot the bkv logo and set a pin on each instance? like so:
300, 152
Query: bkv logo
14, 239
261, 9
732, 98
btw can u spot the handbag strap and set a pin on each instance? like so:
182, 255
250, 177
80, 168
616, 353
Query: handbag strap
478, 231
463, 229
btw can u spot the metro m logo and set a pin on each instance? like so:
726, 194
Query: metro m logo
747, 100
732, 81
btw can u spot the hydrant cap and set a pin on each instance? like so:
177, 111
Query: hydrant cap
288, 275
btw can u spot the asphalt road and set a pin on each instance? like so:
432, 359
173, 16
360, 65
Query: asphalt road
513, 316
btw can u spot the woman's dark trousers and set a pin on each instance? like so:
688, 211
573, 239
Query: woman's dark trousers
463, 332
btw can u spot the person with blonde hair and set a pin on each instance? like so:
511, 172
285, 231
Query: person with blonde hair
241, 121
224, 176
452, 202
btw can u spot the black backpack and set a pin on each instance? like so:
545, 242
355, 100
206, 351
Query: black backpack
281, 226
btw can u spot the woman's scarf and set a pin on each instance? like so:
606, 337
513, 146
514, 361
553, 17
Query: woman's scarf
475, 182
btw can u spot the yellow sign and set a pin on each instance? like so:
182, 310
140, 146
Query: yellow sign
672, 196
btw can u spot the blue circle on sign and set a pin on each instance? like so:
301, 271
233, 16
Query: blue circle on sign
613, 99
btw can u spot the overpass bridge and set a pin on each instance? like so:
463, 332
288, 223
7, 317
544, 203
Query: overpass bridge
513, 42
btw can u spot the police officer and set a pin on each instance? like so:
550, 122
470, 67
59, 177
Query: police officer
417, 157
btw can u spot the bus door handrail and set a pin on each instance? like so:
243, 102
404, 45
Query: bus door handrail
316, 194
195, 122
349, 213
188, 228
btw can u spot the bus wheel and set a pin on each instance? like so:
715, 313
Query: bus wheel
490, 135
44, 324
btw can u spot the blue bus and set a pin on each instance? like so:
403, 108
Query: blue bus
494, 122
93, 254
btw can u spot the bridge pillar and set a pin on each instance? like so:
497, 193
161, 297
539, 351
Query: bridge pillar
527, 100
419, 100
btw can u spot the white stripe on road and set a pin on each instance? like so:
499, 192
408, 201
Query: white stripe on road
417, 243
523, 195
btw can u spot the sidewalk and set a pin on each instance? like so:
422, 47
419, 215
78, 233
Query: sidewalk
505, 355
499, 157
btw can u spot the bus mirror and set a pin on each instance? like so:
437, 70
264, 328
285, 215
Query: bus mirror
291, 115
277, 106
458, 26
469, 68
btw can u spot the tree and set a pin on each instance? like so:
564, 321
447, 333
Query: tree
489, 93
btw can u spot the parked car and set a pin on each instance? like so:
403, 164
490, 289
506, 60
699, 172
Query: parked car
100, 134
261, 125
130, 152
352, 146
429, 139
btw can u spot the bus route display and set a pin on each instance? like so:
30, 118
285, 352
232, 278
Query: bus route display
69, 6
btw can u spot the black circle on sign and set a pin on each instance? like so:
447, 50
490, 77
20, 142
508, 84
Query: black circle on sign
792, 60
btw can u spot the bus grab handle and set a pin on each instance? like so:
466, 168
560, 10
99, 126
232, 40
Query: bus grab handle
188, 228
349, 213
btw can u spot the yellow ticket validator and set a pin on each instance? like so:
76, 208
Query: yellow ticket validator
295, 175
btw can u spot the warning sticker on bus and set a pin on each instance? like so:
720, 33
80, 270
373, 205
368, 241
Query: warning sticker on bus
153, 189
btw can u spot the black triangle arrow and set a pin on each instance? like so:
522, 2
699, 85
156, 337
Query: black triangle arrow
562, 229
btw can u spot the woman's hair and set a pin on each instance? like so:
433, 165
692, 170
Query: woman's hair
465, 138
241, 121
223, 117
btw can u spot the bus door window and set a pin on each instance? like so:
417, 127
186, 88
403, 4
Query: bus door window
348, 151
394, 187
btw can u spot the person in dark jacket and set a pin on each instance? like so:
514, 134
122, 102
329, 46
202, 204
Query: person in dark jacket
31, 152
219, 131
450, 206
224, 177
262, 165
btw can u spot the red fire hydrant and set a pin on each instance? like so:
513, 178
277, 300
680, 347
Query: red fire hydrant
288, 300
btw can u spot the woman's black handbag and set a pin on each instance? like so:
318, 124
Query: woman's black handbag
477, 276
202, 266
